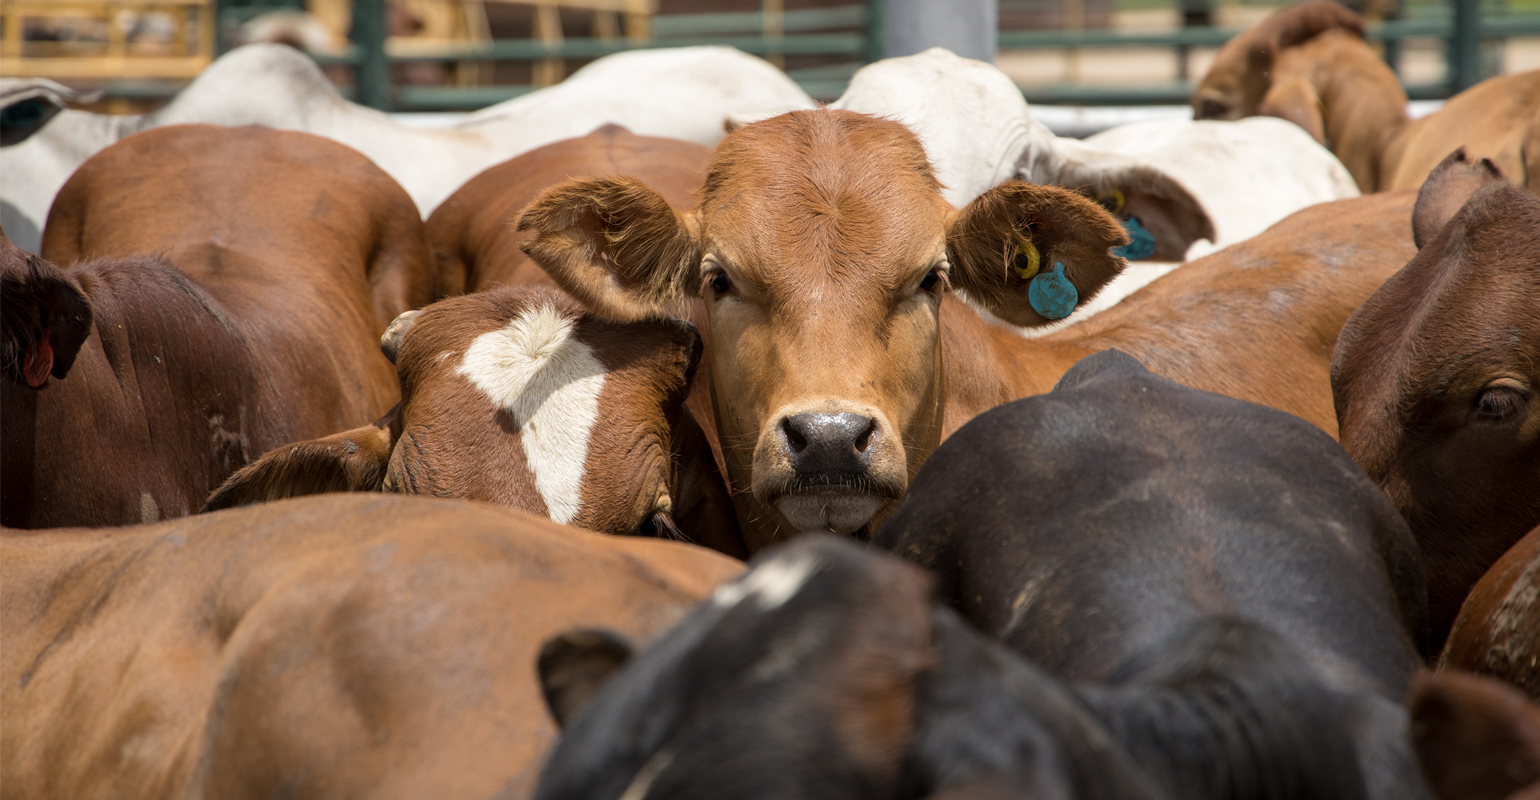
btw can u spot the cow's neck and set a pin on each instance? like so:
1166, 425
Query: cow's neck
985, 364
1364, 107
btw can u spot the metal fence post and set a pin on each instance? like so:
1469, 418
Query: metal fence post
1464, 49
875, 32
372, 75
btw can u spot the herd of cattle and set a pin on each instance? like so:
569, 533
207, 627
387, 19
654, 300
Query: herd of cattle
1160, 464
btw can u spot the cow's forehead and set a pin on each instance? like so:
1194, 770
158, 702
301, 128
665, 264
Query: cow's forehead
831, 189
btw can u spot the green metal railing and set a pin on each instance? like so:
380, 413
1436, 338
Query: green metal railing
1463, 30
853, 36
852, 33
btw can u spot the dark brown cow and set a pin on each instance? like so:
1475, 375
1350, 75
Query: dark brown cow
1477, 738
1498, 630
336, 646
472, 232
823, 251
239, 281
1436, 379
1309, 64
515, 396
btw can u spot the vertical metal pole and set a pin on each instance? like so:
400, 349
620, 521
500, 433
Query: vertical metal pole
1465, 45
875, 32
372, 75
969, 28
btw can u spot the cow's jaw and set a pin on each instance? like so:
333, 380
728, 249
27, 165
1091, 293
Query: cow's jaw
828, 510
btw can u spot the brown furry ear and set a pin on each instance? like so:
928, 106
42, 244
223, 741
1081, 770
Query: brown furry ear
615, 245
1444, 193
1477, 738
45, 318
1300, 23
351, 461
991, 242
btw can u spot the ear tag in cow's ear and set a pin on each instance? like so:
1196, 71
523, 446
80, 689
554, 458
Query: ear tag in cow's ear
1142, 245
1052, 295
1113, 201
1026, 260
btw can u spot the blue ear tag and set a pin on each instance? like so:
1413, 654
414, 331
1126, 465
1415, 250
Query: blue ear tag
1051, 294
1143, 244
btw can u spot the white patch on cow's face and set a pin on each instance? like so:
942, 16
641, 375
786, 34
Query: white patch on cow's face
770, 584
549, 382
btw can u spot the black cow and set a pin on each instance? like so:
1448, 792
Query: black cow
1083, 526
828, 672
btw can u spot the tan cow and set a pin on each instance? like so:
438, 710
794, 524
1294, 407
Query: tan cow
239, 280
1436, 379
518, 397
1309, 64
336, 646
824, 253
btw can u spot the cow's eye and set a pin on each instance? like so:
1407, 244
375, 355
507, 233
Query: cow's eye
1500, 403
719, 283
931, 280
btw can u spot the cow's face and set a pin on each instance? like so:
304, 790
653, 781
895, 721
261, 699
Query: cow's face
1436, 378
822, 249
520, 398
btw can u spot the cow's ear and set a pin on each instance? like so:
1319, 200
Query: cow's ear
1477, 738
574, 666
351, 461
44, 317
1295, 99
1445, 191
1031, 254
27, 104
1161, 216
615, 245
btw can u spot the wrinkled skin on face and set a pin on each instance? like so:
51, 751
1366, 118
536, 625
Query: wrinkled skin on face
1437, 379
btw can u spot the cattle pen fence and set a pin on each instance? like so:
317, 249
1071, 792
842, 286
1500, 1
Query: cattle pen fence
822, 47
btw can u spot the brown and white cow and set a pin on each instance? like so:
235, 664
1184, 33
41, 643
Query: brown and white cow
239, 281
1309, 64
824, 251
335, 646
518, 397
1437, 379
1498, 630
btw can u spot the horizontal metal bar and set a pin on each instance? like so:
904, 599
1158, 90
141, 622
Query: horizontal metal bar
437, 98
1159, 94
524, 49
751, 22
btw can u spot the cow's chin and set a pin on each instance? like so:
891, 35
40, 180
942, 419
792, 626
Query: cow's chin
828, 510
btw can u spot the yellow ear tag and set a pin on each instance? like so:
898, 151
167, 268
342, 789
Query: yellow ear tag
1026, 260
1113, 201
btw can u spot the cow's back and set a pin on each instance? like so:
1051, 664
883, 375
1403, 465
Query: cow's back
343, 642
1258, 320
239, 280
1498, 118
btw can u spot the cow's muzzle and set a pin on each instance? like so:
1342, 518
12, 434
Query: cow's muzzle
828, 471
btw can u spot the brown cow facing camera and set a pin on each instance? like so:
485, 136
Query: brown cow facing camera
517, 396
238, 279
1436, 379
823, 253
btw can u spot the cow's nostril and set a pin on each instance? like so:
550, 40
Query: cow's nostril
864, 438
794, 437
